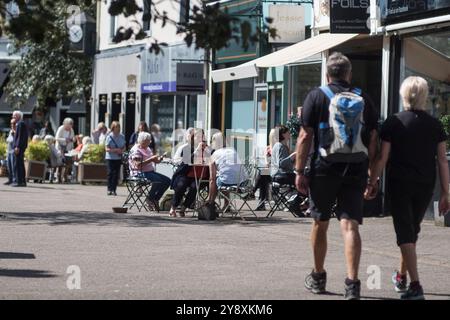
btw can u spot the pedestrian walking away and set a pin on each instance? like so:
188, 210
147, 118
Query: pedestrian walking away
411, 141
341, 121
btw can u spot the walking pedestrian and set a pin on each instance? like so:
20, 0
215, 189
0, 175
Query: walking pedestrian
342, 122
20, 144
10, 153
411, 141
115, 146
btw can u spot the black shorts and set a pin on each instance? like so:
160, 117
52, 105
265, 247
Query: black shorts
346, 192
409, 202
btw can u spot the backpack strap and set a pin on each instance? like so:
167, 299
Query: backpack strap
357, 91
327, 91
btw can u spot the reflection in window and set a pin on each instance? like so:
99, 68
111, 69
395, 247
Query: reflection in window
305, 78
428, 56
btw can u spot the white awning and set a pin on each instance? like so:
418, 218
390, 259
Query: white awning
286, 56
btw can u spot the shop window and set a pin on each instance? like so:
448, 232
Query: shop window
161, 112
184, 10
304, 78
428, 56
112, 26
243, 90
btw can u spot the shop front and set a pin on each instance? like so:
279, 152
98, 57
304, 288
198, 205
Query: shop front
116, 88
173, 93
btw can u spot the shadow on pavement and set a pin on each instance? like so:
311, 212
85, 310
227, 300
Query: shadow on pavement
340, 296
16, 255
26, 273
437, 294
137, 220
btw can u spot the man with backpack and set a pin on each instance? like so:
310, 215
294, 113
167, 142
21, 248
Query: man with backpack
341, 121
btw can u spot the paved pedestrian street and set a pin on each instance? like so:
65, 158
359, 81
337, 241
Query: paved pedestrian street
64, 242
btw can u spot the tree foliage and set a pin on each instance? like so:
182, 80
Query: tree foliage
47, 68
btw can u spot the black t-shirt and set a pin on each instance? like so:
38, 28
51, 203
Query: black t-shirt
414, 136
315, 110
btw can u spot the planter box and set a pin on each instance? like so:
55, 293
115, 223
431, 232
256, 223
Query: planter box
35, 170
3, 168
92, 172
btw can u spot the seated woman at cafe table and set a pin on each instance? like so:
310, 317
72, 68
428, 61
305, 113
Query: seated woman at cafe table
193, 151
142, 162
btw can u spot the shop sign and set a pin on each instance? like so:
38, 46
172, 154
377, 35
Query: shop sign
393, 11
289, 20
159, 87
262, 121
349, 16
321, 14
190, 77
160, 71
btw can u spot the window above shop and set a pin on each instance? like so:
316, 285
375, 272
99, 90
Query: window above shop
146, 15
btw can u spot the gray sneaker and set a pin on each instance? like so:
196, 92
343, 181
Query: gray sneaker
353, 291
316, 282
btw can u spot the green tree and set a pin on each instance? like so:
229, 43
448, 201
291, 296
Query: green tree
48, 68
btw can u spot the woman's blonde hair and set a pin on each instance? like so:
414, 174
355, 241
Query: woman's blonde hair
414, 93
114, 125
273, 137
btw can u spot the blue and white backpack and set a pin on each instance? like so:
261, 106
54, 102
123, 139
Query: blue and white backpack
340, 138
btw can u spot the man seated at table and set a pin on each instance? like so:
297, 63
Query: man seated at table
193, 152
225, 170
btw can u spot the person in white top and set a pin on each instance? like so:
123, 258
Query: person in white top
64, 143
225, 169
64, 136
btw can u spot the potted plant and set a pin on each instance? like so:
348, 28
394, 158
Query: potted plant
93, 168
36, 156
3, 157
445, 121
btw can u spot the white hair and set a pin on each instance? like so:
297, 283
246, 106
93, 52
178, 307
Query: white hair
217, 141
49, 139
144, 136
18, 113
414, 93
86, 141
68, 121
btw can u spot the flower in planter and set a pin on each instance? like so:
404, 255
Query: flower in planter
37, 151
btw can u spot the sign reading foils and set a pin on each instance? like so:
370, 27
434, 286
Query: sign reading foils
289, 20
349, 16
190, 77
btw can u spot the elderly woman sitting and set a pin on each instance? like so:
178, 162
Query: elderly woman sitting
142, 162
